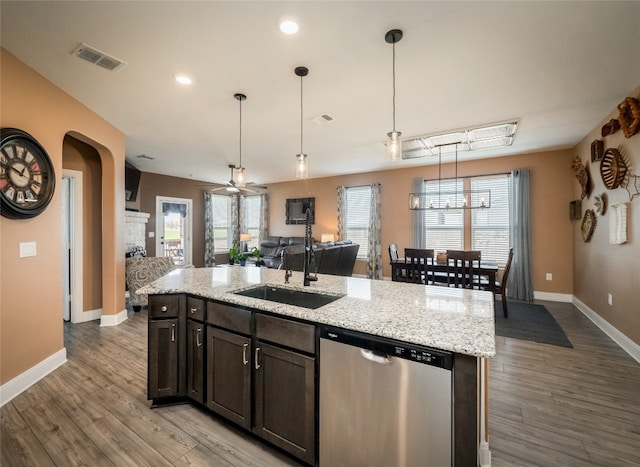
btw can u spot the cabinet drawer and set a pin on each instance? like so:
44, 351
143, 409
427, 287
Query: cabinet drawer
229, 317
285, 332
164, 306
195, 308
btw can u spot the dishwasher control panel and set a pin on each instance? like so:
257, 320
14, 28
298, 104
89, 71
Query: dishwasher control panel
390, 347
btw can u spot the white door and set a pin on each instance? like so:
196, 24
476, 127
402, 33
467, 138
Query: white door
72, 246
174, 229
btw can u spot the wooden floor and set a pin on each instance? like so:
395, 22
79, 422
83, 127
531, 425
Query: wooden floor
548, 406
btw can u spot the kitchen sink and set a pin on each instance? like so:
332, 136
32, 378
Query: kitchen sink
294, 297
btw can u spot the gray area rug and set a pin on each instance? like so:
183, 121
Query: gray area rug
530, 322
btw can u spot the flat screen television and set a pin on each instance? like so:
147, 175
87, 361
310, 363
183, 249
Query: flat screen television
296, 210
131, 181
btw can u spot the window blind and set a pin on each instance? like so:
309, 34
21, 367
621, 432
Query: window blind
444, 229
490, 227
222, 235
357, 218
252, 207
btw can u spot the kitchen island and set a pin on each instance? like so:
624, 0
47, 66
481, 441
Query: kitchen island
453, 320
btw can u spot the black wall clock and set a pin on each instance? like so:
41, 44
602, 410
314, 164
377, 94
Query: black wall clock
27, 178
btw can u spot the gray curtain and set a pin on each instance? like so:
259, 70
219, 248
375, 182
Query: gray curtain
519, 284
209, 251
235, 221
374, 258
342, 208
241, 213
264, 217
419, 238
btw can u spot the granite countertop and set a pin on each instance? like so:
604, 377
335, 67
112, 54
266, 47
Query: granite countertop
444, 318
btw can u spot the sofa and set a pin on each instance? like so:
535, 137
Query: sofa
271, 249
336, 258
142, 271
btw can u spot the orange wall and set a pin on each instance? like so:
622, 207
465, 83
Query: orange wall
79, 156
31, 288
551, 191
601, 268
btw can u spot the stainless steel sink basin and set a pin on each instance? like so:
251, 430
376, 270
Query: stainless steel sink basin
294, 297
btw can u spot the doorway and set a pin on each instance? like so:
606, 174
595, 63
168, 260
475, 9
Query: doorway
72, 298
174, 229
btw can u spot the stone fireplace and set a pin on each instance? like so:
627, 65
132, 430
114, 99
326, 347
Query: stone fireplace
135, 233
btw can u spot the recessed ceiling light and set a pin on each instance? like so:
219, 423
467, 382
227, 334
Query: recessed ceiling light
183, 79
288, 26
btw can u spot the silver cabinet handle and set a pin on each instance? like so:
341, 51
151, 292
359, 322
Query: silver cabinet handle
244, 354
193, 310
198, 341
164, 308
173, 332
257, 363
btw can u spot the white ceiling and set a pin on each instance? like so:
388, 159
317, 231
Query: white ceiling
558, 67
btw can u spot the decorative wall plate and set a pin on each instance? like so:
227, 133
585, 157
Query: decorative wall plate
629, 116
612, 168
588, 225
618, 224
600, 203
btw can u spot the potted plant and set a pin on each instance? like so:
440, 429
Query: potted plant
234, 253
256, 254
242, 257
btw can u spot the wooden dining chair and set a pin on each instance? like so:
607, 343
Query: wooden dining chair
419, 265
462, 268
501, 285
393, 252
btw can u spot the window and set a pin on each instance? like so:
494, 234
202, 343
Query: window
358, 208
444, 229
222, 231
252, 209
486, 230
490, 227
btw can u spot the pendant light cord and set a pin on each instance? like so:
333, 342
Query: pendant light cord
240, 133
394, 86
301, 116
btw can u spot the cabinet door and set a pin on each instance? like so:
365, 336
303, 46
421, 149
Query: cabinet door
285, 400
195, 360
229, 375
163, 378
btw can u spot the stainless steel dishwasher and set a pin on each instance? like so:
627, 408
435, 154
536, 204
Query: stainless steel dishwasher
383, 403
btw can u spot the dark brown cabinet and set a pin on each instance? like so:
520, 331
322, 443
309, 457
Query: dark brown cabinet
229, 375
196, 337
195, 360
285, 387
166, 356
285, 399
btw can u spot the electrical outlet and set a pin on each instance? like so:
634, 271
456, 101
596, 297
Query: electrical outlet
549, 276
27, 249
610, 299
152, 235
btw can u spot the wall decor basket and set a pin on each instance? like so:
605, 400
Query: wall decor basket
588, 226
612, 168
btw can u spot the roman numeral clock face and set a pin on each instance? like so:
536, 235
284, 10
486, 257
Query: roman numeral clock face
27, 178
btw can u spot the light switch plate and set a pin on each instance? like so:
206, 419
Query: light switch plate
27, 249
152, 234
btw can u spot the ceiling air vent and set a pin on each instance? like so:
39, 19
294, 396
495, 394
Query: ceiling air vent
320, 119
95, 56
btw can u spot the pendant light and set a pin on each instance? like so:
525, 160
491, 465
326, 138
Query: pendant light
302, 165
394, 140
241, 180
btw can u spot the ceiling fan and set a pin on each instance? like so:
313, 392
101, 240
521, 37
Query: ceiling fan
240, 185
233, 187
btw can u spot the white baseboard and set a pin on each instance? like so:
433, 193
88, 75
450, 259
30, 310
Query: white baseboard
553, 297
619, 338
90, 315
113, 320
34, 374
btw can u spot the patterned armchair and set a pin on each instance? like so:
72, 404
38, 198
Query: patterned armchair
142, 271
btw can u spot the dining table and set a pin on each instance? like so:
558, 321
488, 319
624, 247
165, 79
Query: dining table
487, 269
